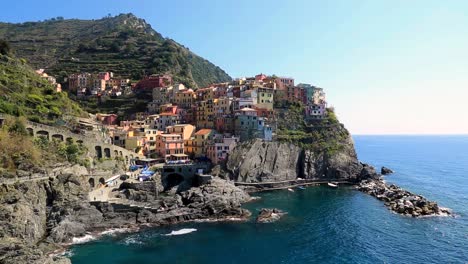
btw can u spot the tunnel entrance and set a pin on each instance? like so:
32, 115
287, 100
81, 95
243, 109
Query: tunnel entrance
91, 182
172, 180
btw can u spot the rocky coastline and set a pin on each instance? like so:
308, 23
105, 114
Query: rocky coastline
41, 217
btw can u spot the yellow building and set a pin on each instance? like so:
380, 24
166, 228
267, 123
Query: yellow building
205, 114
185, 99
222, 106
197, 145
265, 98
135, 143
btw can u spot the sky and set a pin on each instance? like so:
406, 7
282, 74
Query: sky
387, 66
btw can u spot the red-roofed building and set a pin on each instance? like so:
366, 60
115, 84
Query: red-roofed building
154, 81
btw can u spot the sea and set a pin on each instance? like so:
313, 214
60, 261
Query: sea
324, 225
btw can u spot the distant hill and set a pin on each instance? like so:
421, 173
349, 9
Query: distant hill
24, 93
124, 44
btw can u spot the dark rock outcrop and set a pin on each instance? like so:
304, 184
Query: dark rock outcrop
269, 215
401, 201
260, 161
37, 216
385, 171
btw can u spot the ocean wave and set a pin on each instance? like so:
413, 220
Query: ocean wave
84, 239
132, 240
114, 231
182, 231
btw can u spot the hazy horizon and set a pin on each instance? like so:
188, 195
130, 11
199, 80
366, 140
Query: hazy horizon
388, 67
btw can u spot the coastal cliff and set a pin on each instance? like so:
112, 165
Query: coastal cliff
272, 161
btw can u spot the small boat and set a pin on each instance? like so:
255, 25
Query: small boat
301, 187
291, 190
332, 185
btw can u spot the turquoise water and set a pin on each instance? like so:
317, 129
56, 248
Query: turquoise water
326, 225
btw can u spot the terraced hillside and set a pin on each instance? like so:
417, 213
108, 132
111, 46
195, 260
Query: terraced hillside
124, 44
24, 93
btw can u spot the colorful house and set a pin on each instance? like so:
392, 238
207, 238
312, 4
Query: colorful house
197, 145
264, 98
219, 149
169, 144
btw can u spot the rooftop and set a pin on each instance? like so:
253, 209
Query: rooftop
203, 131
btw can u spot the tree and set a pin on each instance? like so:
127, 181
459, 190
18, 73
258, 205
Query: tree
5, 48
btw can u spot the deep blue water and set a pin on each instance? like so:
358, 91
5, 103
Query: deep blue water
325, 225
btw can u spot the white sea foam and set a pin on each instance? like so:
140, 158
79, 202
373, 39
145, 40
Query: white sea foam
115, 231
83, 239
182, 231
132, 240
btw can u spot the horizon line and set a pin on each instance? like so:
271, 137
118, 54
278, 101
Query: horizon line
458, 134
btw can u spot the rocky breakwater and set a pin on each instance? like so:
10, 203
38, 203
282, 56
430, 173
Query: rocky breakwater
401, 201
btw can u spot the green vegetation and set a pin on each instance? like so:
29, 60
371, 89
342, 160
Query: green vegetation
5, 48
326, 135
124, 44
61, 151
25, 93
22, 151
16, 146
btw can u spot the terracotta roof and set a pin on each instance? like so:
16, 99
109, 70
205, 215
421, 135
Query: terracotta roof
203, 131
167, 114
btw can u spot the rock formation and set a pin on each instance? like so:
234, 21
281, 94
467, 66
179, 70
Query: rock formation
260, 161
385, 171
269, 215
401, 201
37, 216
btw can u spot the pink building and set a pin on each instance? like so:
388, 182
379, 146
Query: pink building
219, 149
260, 77
104, 76
168, 144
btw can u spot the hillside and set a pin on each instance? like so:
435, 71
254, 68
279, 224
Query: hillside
25, 93
124, 44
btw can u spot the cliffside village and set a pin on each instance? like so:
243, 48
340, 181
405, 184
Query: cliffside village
182, 124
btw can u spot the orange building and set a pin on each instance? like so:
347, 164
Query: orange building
168, 144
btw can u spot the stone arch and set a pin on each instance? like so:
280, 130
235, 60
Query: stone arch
79, 141
107, 152
126, 159
116, 153
30, 131
43, 133
102, 181
121, 154
57, 136
98, 152
91, 182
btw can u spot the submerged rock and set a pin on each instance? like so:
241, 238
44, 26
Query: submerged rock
385, 171
269, 215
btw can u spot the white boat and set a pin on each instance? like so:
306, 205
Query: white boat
332, 185
291, 190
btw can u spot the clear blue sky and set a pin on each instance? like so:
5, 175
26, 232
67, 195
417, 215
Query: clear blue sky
388, 67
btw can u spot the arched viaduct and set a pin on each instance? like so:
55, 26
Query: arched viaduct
95, 148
